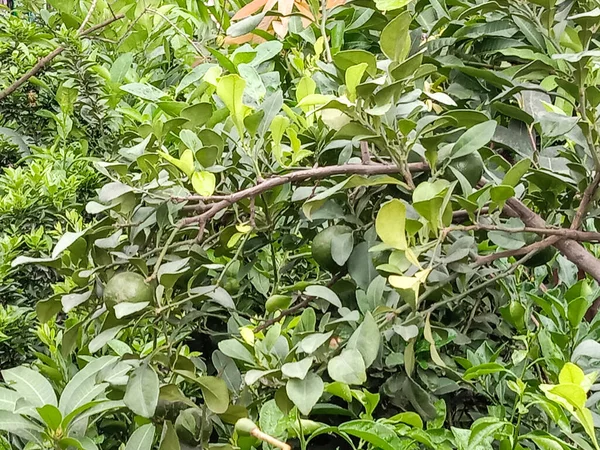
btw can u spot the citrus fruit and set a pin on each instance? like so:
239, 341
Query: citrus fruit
471, 166
321, 246
277, 302
542, 257
127, 287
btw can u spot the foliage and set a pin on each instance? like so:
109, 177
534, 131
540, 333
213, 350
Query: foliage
297, 189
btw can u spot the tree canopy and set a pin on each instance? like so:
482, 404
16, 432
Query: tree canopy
308, 224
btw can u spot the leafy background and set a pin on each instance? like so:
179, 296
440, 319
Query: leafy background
348, 213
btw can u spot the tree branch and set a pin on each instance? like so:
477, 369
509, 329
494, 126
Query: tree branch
588, 194
576, 235
88, 16
49, 57
535, 247
571, 249
294, 177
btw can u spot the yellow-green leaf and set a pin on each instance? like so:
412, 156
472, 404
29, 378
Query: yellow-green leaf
354, 76
231, 90
204, 183
428, 335
570, 373
390, 224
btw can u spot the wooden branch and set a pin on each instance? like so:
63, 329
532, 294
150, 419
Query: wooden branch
88, 16
571, 249
532, 248
588, 194
576, 235
49, 57
294, 177
364, 152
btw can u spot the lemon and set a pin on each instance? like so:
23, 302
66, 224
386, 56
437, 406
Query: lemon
471, 166
127, 287
321, 247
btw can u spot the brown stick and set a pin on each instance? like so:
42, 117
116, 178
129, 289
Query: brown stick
270, 439
535, 247
364, 152
571, 249
576, 235
293, 177
49, 57
585, 201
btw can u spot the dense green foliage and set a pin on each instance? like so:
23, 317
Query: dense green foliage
337, 221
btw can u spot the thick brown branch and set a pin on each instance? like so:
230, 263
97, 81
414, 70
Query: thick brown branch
294, 177
49, 57
572, 250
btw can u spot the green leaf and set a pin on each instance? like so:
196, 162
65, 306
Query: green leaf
395, 38
483, 369
353, 78
297, 369
245, 26
169, 439
51, 416
120, 68
77, 391
571, 374
145, 91
348, 58
325, 293
216, 395
348, 367
484, 428
473, 139
341, 247
377, 434
390, 5
204, 183
515, 175
390, 224
231, 90
65, 242
305, 393
8, 399
31, 385
20, 426
236, 350
141, 395
142, 438
125, 309
313, 341
545, 441
366, 339
428, 335
576, 310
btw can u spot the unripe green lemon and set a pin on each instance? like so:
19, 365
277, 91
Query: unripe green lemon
471, 166
321, 247
127, 287
277, 302
542, 257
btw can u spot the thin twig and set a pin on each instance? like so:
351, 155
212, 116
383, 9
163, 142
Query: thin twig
176, 28
49, 57
576, 235
588, 194
323, 28
364, 152
88, 16
535, 247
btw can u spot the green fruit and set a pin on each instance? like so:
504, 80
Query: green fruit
127, 287
471, 166
321, 247
245, 426
540, 258
277, 302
